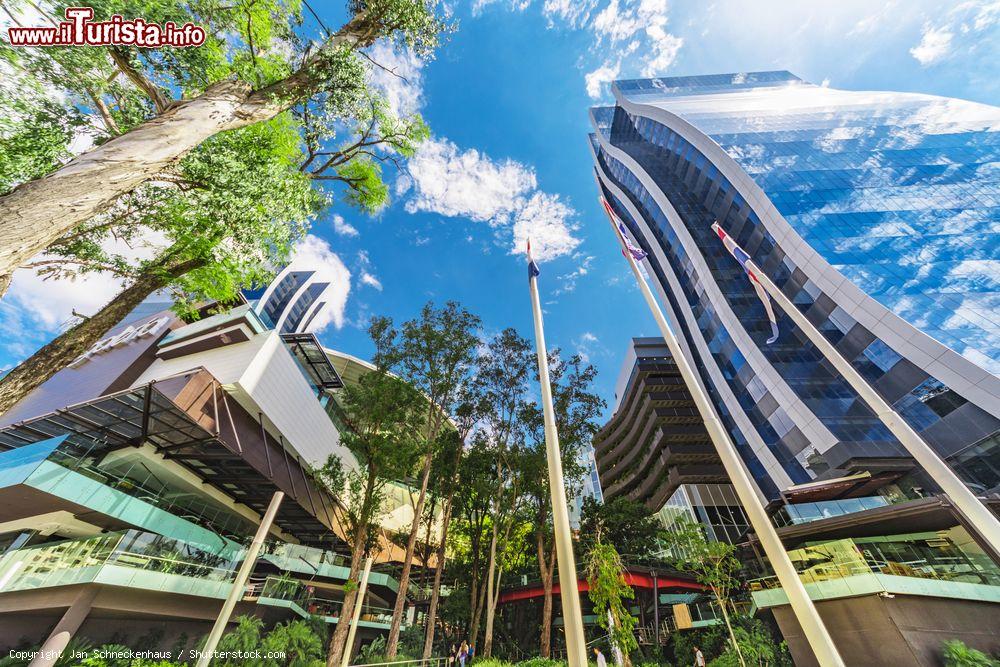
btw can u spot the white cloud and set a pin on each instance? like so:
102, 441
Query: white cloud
574, 13
316, 253
516, 5
626, 35
582, 268
371, 281
546, 220
365, 269
966, 30
443, 179
51, 302
934, 45
400, 77
587, 345
986, 16
596, 79
664, 48
614, 23
467, 183
342, 227
35, 309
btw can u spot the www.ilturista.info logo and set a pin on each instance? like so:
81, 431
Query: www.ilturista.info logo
80, 30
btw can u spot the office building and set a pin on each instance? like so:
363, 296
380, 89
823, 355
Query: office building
655, 449
590, 487
876, 214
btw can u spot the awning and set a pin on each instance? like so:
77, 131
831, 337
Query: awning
188, 418
851, 486
313, 360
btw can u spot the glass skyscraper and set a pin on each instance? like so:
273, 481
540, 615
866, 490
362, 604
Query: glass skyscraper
877, 213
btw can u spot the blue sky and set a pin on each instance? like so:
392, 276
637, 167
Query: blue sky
507, 98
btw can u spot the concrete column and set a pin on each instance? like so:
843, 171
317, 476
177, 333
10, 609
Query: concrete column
65, 628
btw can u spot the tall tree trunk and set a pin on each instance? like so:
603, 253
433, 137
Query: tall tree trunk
491, 611
427, 551
546, 567
490, 573
442, 554
38, 212
70, 344
729, 627
392, 646
335, 653
478, 603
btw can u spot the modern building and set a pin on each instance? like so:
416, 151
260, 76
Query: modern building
655, 442
876, 213
590, 487
292, 301
133, 479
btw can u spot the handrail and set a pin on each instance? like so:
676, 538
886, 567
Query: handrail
415, 661
830, 571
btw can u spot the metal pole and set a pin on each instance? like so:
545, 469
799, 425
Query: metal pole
656, 610
802, 606
236, 592
356, 614
576, 648
974, 511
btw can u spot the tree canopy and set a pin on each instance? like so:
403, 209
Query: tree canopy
144, 110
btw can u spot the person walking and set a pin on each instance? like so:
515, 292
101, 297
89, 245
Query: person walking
463, 653
452, 654
699, 657
599, 658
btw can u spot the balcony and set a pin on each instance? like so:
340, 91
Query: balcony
179, 416
131, 558
302, 599
936, 564
60, 474
153, 563
800, 513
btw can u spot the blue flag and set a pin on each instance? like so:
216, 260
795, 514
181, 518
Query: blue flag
532, 267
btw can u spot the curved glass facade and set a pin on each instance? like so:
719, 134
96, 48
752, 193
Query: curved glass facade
899, 192
882, 204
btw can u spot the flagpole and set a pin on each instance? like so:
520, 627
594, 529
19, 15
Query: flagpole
974, 511
359, 601
576, 646
802, 606
238, 588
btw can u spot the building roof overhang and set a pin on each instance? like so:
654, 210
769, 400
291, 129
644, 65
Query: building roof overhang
188, 418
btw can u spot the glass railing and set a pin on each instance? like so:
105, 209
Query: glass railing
949, 570
294, 556
80, 561
149, 551
283, 588
791, 515
148, 488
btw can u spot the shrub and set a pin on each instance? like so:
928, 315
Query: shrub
491, 662
957, 654
541, 662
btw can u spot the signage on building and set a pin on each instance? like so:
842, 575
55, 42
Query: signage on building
131, 333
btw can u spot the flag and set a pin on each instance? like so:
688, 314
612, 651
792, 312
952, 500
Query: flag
532, 267
638, 254
742, 257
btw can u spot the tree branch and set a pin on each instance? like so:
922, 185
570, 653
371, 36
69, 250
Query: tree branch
265, 103
160, 101
109, 121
